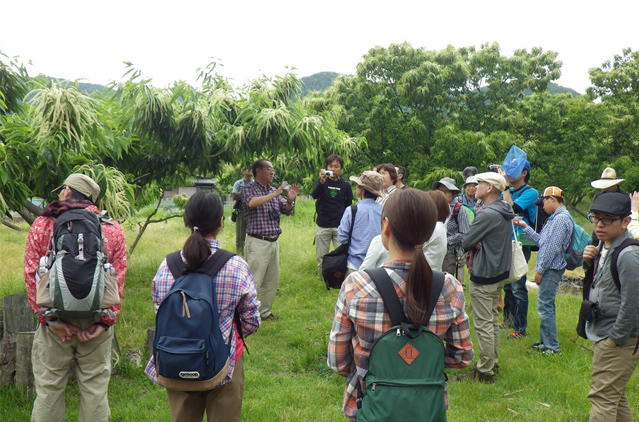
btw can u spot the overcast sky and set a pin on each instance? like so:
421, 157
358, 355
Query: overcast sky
167, 41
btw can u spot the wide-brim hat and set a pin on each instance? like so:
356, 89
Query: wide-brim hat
608, 179
370, 181
81, 183
448, 182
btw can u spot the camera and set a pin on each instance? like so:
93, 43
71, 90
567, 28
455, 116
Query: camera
329, 173
494, 168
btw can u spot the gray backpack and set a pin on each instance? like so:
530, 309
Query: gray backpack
75, 278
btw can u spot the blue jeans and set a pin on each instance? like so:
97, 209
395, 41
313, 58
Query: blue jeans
546, 308
516, 301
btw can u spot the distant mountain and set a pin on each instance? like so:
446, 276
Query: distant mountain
558, 89
89, 88
317, 82
321, 81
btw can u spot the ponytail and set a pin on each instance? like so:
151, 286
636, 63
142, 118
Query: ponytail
196, 251
418, 286
412, 215
202, 214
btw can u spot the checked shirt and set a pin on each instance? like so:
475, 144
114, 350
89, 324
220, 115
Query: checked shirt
360, 320
234, 287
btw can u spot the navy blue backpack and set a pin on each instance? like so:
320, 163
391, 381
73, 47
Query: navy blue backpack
189, 350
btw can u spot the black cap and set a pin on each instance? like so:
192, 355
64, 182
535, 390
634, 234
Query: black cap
612, 203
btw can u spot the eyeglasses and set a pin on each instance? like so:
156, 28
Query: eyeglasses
605, 221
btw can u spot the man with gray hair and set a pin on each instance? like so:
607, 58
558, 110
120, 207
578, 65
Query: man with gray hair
489, 240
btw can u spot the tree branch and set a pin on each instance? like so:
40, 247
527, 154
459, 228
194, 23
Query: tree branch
11, 226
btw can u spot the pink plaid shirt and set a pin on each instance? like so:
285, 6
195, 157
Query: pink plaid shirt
234, 287
361, 319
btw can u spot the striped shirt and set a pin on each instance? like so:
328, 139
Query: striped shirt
265, 219
456, 227
360, 320
234, 287
553, 240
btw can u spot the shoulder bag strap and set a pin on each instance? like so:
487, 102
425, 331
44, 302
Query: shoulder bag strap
353, 213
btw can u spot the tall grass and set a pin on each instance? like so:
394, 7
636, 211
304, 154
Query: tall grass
286, 374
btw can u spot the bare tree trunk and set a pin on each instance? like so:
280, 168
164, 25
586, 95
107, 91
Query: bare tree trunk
145, 225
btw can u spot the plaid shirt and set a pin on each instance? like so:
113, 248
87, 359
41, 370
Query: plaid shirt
553, 241
360, 320
258, 219
38, 242
234, 287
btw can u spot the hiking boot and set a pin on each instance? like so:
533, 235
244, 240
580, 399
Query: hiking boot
271, 317
495, 368
516, 335
475, 375
537, 346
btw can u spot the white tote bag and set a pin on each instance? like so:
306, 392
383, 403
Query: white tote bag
518, 265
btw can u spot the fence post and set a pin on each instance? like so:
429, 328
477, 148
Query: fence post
24, 371
16, 317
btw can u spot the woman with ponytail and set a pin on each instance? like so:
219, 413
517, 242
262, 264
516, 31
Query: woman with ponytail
408, 220
235, 289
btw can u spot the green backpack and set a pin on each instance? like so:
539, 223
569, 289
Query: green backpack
406, 379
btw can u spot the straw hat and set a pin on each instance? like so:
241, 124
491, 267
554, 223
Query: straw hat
608, 179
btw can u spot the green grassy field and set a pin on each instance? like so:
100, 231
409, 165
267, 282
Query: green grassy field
286, 374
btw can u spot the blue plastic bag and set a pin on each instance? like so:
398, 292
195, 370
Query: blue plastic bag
514, 162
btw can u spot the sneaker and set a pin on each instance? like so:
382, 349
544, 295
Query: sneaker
516, 335
537, 346
504, 326
549, 351
475, 375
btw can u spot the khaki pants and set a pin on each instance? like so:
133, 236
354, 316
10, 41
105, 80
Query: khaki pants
263, 258
323, 238
485, 298
222, 404
51, 360
612, 367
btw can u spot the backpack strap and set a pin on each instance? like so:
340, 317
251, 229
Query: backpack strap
353, 213
392, 304
614, 257
211, 267
615, 271
572, 236
175, 264
456, 209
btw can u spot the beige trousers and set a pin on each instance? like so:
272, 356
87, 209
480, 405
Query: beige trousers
484, 299
222, 404
263, 259
51, 360
323, 238
612, 367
